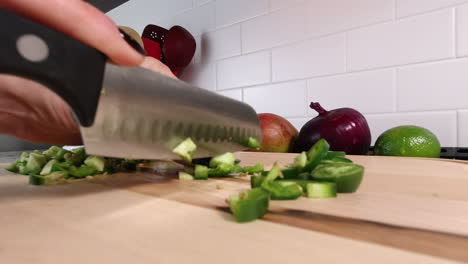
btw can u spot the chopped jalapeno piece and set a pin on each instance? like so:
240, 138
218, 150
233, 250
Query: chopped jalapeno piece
226, 158
273, 173
282, 190
54, 177
342, 159
258, 168
99, 163
301, 160
82, 171
347, 176
316, 153
201, 172
14, 167
183, 176
290, 173
256, 180
321, 190
253, 143
334, 154
60, 155
249, 205
222, 170
186, 149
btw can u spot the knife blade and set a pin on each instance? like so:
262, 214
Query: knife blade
144, 115
125, 112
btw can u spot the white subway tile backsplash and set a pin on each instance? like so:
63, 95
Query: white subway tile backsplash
197, 57
463, 128
230, 11
367, 92
410, 40
235, 94
325, 17
201, 75
462, 31
278, 4
198, 20
285, 99
220, 44
397, 61
309, 58
283, 26
442, 124
410, 7
200, 2
245, 70
298, 123
139, 13
131, 14
433, 86
177, 6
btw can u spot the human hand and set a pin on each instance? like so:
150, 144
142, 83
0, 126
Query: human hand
34, 113
81, 21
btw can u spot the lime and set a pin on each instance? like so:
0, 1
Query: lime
408, 141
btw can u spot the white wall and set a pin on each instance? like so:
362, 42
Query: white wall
396, 61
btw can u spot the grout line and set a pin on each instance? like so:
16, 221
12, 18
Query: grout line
241, 26
457, 129
395, 89
395, 11
339, 74
346, 51
216, 77
307, 98
455, 32
431, 10
271, 66
438, 111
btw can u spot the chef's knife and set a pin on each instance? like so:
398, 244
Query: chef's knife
127, 112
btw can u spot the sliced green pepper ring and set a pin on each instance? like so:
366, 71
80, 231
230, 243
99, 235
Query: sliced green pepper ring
347, 176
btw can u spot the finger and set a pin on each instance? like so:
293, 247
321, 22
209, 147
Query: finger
81, 21
153, 64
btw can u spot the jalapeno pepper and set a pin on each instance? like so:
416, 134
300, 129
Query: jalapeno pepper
290, 173
201, 172
347, 176
334, 154
301, 160
256, 180
316, 154
249, 204
321, 190
282, 190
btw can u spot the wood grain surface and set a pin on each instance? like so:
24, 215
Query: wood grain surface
406, 211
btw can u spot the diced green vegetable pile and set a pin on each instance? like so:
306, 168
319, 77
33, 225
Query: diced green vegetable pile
58, 165
317, 173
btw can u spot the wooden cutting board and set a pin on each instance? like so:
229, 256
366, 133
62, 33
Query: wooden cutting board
408, 210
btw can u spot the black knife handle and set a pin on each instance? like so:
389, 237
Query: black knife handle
66, 66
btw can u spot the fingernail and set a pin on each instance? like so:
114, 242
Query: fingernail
132, 42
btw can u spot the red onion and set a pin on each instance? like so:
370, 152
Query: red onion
345, 129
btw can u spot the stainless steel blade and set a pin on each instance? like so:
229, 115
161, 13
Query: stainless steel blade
143, 115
